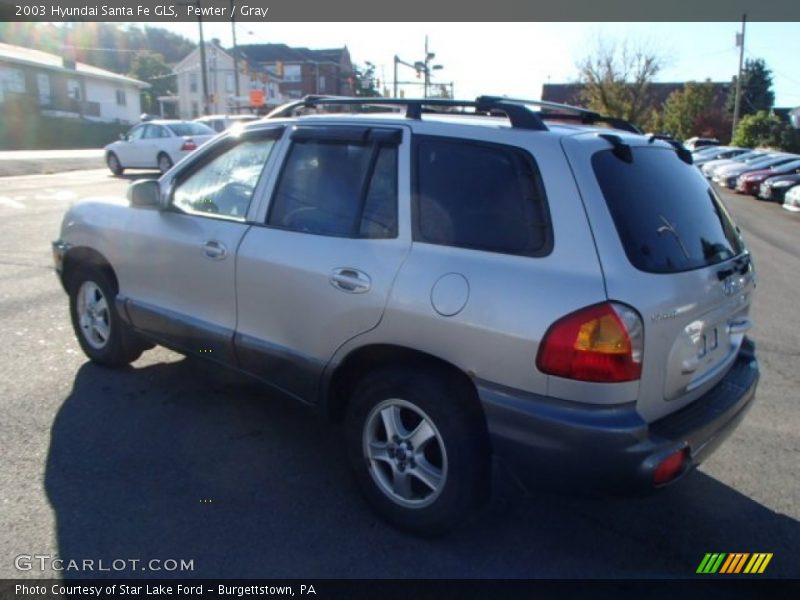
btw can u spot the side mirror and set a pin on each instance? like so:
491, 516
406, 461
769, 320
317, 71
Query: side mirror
146, 193
123, 137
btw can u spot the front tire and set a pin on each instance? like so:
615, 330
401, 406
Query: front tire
113, 164
418, 447
102, 335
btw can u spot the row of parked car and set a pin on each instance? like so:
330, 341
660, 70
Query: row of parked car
765, 174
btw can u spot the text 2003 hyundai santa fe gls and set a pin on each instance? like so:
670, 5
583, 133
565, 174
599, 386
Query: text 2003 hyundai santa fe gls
450, 284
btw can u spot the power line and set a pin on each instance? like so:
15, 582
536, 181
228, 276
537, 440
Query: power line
99, 49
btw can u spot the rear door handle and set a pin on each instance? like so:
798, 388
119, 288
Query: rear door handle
350, 280
215, 250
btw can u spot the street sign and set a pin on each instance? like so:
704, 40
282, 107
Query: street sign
256, 97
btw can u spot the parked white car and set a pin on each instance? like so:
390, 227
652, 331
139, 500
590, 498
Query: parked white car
791, 201
156, 144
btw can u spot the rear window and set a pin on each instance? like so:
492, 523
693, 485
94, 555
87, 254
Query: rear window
667, 216
481, 196
182, 129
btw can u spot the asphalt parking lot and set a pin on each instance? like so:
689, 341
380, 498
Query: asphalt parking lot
172, 460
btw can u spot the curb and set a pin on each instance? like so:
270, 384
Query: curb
14, 167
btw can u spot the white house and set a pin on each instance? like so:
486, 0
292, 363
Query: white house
56, 86
223, 97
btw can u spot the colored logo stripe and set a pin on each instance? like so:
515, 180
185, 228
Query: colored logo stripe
733, 563
758, 563
711, 562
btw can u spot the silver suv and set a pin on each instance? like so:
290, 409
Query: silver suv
452, 281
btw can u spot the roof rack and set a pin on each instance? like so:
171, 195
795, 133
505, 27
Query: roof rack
516, 109
567, 112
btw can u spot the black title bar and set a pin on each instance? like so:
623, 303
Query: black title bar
407, 10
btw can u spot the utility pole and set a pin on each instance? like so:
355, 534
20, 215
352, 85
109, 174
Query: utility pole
738, 98
203, 60
396, 60
235, 62
427, 70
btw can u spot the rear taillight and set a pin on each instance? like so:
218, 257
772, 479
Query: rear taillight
600, 343
188, 146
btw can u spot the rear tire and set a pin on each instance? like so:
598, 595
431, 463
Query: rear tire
418, 447
113, 164
102, 335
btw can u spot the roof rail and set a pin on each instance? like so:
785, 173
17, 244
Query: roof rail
515, 109
519, 116
576, 113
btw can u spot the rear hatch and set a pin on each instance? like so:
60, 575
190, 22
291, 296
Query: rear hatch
670, 250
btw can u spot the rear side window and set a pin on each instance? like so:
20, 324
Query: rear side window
481, 196
666, 215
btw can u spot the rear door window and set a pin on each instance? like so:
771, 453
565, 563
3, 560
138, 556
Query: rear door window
666, 215
337, 186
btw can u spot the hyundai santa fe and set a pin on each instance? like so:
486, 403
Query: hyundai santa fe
451, 281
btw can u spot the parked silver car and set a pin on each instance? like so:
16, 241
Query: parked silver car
709, 168
450, 285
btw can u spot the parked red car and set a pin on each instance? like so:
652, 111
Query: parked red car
750, 182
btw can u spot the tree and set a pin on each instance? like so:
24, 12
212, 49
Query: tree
757, 91
685, 109
764, 129
440, 90
150, 67
363, 80
105, 45
616, 80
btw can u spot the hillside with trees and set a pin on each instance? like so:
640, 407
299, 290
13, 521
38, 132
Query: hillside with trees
105, 45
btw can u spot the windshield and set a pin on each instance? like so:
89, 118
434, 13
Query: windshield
190, 129
710, 150
748, 156
667, 217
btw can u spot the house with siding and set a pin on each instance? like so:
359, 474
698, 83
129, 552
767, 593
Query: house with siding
40, 83
273, 73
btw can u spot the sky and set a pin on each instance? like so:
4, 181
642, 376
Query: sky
515, 59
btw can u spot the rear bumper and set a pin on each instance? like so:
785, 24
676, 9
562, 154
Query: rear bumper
549, 441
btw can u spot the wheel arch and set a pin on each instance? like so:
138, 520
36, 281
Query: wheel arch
340, 383
166, 153
80, 256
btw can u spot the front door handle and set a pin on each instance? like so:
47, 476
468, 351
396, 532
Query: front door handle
215, 250
350, 280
